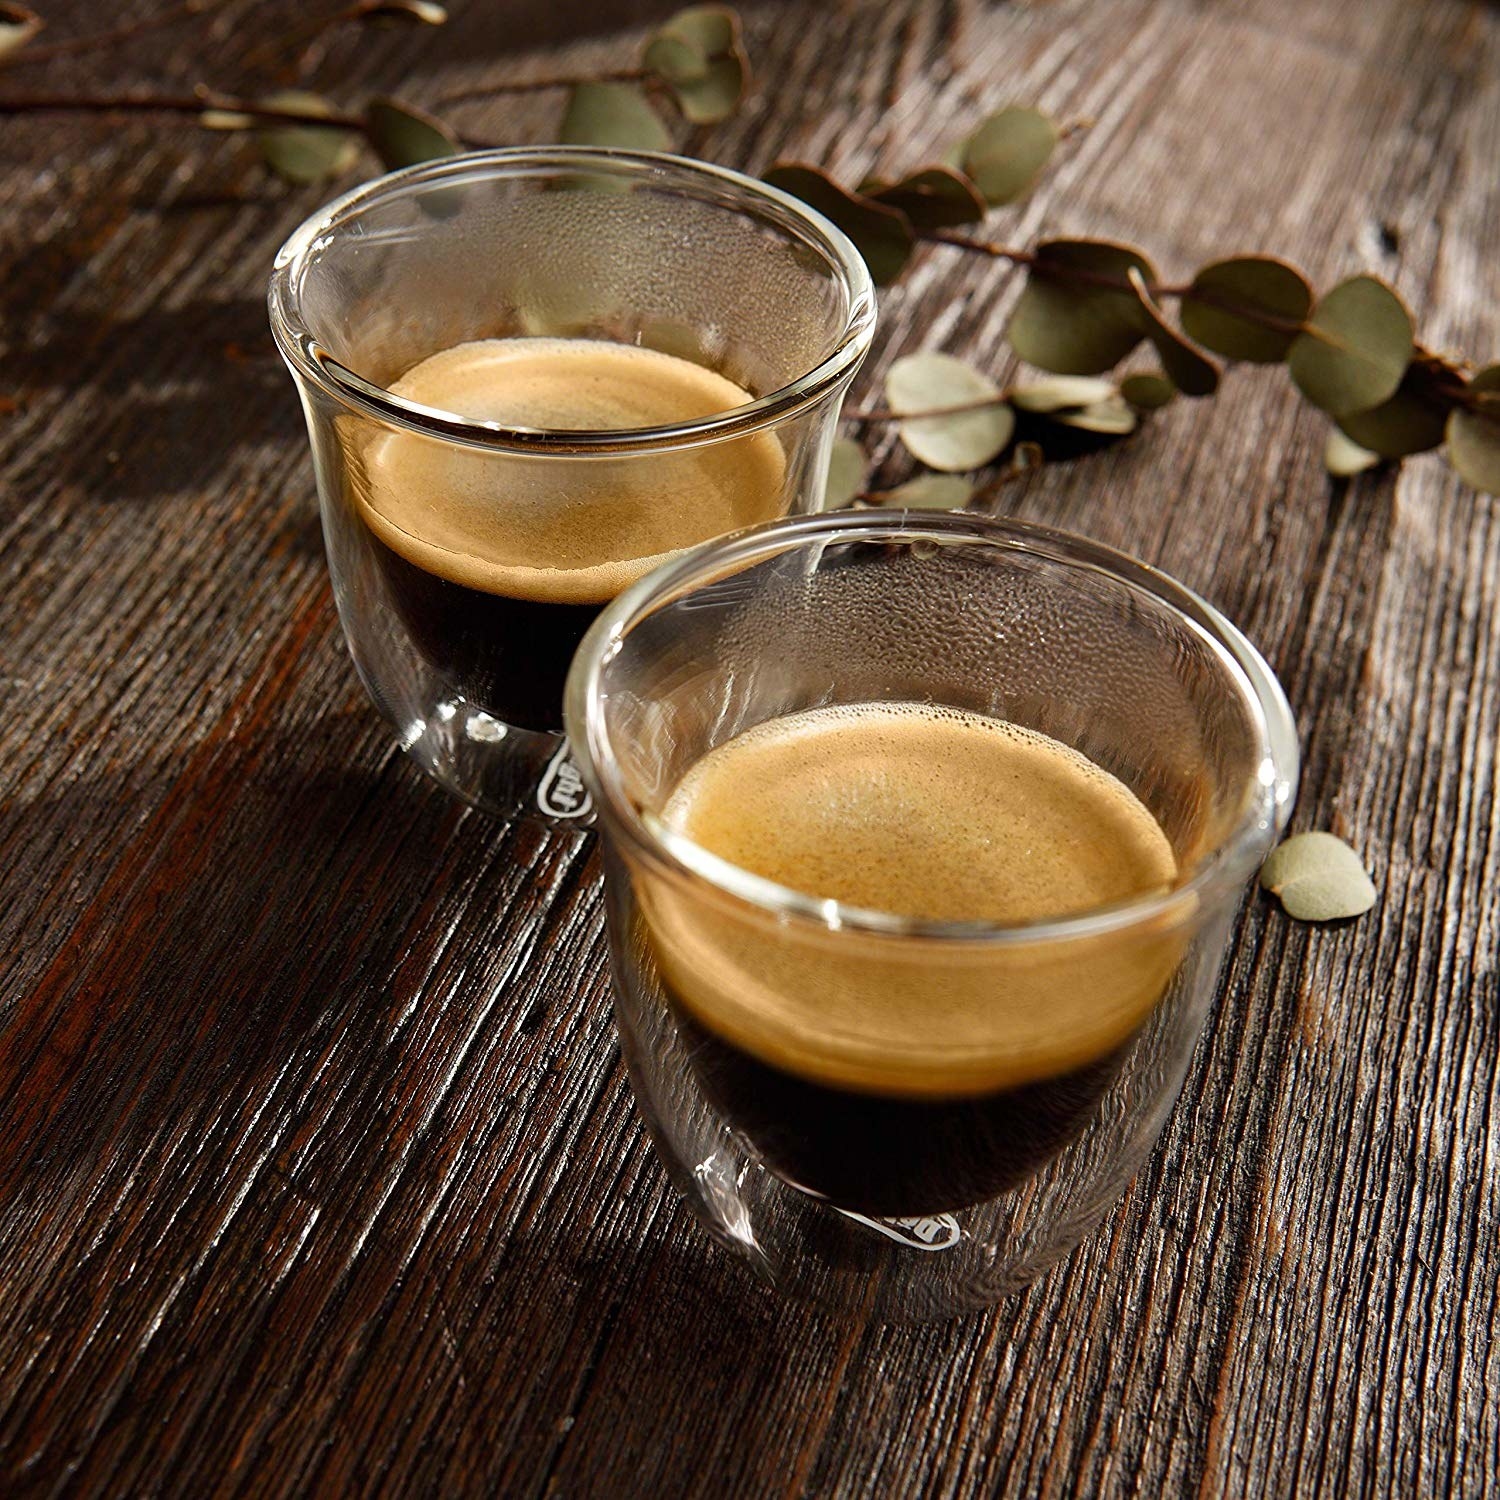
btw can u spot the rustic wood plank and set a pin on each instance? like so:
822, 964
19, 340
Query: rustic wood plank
317, 1171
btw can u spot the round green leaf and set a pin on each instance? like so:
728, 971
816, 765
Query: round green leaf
846, 473
1146, 392
17, 27
1227, 306
956, 440
1318, 878
674, 60
1113, 418
403, 135
880, 234
1066, 321
934, 198
1355, 349
612, 114
1474, 436
1006, 154
1060, 392
698, 53
1343, 457
1412, 421
712, 98
1191, 371
305, 153
710, 30
930, 492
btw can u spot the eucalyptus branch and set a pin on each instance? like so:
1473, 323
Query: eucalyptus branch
960, 241
1085, 307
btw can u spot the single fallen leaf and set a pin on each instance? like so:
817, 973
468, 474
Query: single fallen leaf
1318, 878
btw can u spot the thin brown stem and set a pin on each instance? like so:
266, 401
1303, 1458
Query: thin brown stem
979, 247
126, 32
195, 104
538, 85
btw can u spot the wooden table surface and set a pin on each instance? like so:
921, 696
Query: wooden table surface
318, 1171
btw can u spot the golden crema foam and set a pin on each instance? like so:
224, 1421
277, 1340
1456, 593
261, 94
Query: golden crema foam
558, 529
925, 812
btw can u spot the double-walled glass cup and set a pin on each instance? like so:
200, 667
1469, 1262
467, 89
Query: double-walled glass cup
468, 557
914, 1117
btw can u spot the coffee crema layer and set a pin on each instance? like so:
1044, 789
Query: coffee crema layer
926, 812
559, 529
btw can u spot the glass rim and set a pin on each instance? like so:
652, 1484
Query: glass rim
317, 365
1266, 803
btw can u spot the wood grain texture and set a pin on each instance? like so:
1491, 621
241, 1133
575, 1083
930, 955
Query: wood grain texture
317, 1170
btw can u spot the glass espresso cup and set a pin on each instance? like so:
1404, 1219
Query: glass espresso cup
468, 557
876, 1111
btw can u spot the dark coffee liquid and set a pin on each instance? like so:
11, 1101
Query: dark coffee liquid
507, 656
886, 1156
909, 1074
494, 564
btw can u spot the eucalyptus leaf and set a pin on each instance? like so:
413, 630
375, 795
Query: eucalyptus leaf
302, 153
1412, 421
1113, 418
881, 234
1060, 392
1344, 458
930, 492
612, 114
846, 473
1065, 320
17, 27
1147, 392
712, 98
403, 135
934, 198
1226, 305
674, 60
699, 56
956, 440
1006, 154
710, 30
1318, 878
1355, 349
1474, 435
1191, 371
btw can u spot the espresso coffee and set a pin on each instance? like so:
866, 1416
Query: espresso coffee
893, 1074
497, 564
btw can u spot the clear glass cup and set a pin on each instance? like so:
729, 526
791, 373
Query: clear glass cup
998, 618
673, 255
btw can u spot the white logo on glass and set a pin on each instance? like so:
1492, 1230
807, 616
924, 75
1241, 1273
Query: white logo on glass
562, 793
922, 1232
